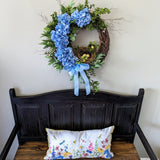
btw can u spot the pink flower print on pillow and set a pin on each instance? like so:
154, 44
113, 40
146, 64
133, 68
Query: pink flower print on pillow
90, 147
83, 140
103, 146
57, 148
85, 154
106, 140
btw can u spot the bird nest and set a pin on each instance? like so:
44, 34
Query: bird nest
83, 52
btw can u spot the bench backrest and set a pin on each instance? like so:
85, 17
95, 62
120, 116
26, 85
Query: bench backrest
63, 110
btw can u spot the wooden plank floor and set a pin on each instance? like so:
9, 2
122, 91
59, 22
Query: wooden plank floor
37, 150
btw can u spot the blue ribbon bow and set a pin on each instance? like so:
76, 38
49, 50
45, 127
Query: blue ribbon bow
80, 68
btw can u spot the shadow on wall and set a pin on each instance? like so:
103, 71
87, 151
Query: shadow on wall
156, 137
150, 119
17, 91
159, 153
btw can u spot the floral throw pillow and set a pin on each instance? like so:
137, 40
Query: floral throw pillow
84, 144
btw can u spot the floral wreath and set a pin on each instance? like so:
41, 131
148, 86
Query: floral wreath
80, 62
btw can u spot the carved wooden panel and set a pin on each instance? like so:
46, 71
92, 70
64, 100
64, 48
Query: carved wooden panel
124, 118
61, 116
26, 114
96, 115
33, 119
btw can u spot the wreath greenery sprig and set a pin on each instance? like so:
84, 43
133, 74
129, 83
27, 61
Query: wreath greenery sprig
59, 34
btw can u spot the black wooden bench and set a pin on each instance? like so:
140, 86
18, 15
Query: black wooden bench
63, 110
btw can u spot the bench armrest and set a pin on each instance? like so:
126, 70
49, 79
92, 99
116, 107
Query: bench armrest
145, 143
9, 142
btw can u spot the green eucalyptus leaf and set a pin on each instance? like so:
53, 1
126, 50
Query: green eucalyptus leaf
47, 29
72, 37
86, 3
73, 22
97, 65
100, 56
72, 4
63, 9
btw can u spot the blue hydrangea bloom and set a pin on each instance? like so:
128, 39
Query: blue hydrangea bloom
84, 18
75, 15
62, 28
59, 36
69, 59
60, 40
64, 18
66, 56
59, 54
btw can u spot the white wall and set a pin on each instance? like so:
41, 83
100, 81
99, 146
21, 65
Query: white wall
133, 60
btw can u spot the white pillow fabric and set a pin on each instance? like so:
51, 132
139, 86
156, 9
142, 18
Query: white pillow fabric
65, 144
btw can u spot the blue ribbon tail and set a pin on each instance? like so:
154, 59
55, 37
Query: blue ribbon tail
76, 84
87, 85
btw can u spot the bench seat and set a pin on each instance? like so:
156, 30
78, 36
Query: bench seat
37, 150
